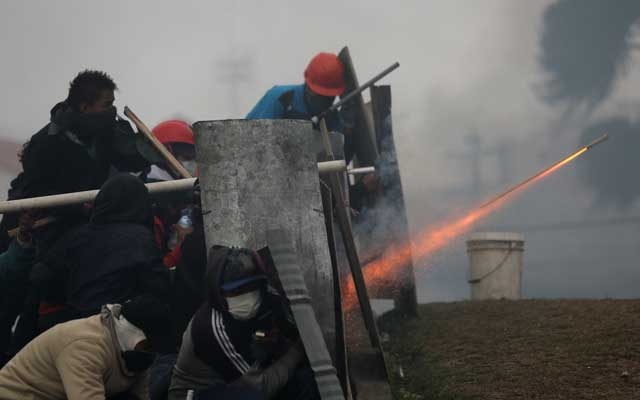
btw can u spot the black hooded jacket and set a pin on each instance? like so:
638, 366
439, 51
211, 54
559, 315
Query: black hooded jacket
67, 155
109, 260
229, 345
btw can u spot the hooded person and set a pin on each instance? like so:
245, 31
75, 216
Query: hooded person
102, 356
108, 260
242, 343
80, 147
83, 141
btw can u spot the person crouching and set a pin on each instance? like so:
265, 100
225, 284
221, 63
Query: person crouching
99, 357
242, 343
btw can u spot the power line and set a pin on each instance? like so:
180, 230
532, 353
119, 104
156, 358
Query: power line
571, 225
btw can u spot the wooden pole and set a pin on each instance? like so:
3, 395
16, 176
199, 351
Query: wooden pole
341, 358
67, 199
350, 246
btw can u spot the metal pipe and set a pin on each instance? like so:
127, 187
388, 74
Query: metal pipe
361, 171
355, 92
327, 167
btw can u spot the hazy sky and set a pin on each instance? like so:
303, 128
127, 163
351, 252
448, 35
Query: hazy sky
466, 67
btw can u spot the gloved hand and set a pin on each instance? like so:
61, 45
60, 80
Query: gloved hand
270, 380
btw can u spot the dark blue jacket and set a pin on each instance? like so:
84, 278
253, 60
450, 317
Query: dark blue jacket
287, 102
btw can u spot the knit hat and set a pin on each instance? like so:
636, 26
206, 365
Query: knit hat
152, 317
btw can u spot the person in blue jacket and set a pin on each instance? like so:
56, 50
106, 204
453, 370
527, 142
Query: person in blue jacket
323, 81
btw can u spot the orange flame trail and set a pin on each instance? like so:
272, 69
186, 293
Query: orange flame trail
437, 237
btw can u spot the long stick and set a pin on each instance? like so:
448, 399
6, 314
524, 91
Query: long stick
356, 92
341, 360
169, 158
350, 248
67, 199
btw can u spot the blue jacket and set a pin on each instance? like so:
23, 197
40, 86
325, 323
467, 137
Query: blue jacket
287, 102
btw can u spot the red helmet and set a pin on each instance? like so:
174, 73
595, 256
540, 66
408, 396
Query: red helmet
174, 131
325, 75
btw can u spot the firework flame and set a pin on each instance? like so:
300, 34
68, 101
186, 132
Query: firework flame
435, 238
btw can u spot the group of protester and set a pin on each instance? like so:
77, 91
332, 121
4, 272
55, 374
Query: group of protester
120, 299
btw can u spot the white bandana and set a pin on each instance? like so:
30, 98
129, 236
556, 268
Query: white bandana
128, 335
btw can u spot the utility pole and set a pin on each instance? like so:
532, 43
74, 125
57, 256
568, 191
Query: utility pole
235, 68
476, 153
235, 71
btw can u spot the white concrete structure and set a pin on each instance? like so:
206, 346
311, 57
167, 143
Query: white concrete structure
258, 175
495, 265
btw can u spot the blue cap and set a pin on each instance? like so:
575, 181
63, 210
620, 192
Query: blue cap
241, 282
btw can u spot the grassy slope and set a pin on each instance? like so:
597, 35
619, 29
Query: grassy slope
528, 349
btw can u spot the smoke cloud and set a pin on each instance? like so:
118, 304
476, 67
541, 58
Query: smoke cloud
612, 170
585, 45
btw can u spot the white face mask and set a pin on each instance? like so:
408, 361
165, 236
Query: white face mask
190, 166
245, 306
128, 335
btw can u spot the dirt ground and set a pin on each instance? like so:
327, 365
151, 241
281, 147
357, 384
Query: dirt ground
527, 349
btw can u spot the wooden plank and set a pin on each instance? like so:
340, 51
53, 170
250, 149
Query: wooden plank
404, 287
364, 142
341, 358
168, 157
350, 247
286, 261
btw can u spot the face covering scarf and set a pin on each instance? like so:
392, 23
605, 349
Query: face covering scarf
129, 336
245, 306
98, 124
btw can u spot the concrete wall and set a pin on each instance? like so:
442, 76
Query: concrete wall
257, 175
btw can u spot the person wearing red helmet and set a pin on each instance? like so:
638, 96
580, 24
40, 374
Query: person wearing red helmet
179, 233
323, 81
177, 137
176, 216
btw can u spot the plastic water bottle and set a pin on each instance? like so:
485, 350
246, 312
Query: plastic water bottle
185, 222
